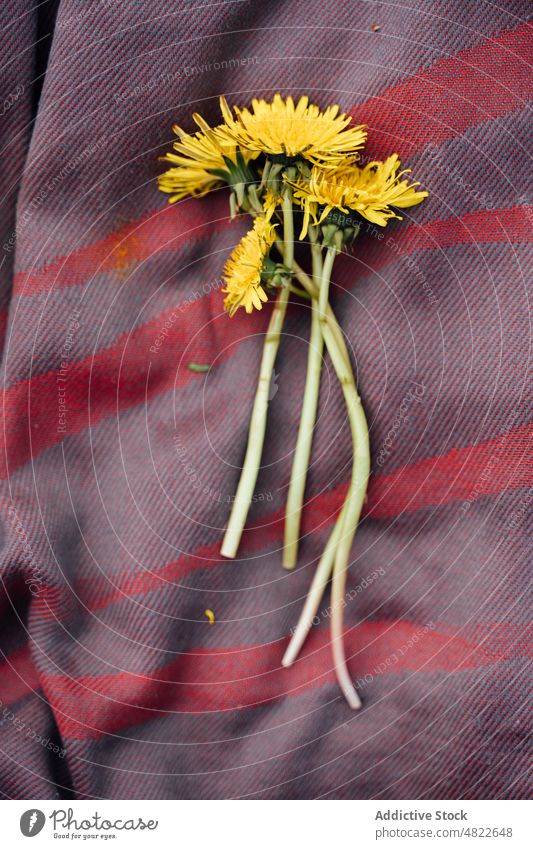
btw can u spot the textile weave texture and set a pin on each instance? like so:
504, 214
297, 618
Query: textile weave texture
119, 462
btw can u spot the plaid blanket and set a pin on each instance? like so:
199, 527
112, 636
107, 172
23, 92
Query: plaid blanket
119, 462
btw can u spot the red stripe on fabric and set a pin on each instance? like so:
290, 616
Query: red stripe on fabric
4, 315
115, 379
167, 228
499, 641
234, 679
480, 83
462, 474
18, 676
26, 437
482, 226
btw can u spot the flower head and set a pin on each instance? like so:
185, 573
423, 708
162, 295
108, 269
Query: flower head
374, 192
303, 131
242, 272
201, 161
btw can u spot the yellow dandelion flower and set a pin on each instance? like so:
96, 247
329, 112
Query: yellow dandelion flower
202, 161
242, 272
374, 192
270, 203
281, 128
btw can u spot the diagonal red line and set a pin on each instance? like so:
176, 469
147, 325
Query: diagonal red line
225, 679
462, 474
234, 678
247, 676
480, 83
114, 379
3, 325
166, 228
18, 675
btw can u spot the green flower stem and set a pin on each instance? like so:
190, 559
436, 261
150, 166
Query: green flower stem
296, 290
302, 452
352, 510
325, 566
323, 294
315, 594
349, 517
256, 433
257, 429
312, 289
288, 228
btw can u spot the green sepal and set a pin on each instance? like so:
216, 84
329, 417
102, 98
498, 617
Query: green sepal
339, 229
219, 172
274, 273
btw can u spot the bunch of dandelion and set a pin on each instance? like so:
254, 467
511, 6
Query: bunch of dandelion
284, 161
